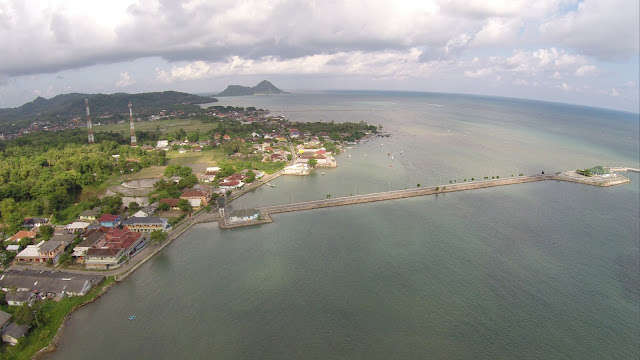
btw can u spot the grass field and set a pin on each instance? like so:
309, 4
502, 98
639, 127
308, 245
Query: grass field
202, 157
170, 126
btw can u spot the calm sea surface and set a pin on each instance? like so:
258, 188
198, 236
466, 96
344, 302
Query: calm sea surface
540, 270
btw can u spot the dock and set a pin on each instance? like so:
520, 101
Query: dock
569, 176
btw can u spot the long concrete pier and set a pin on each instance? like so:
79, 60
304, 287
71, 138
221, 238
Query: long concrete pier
569, 176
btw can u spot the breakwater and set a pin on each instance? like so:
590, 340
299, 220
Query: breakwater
602, 181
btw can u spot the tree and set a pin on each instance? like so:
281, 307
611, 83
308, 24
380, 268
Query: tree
7, 207
228, 193
313, 162
163, 207
418, 185
184, 205
46, 231
65, 259
158, 236
134, 205
23, 316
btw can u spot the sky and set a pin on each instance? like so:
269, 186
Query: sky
570, 51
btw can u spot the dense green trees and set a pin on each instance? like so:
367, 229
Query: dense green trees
42, 173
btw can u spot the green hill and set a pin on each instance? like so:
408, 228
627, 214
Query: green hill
66, 105
263, 88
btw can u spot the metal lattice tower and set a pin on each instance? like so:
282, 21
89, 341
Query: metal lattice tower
133, 132
89, 128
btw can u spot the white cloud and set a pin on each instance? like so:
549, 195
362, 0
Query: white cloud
585, 70
382, 64
614, 92
605, 29
125, 80
480, 73
498, 31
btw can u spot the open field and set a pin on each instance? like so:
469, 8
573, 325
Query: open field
201, 157
170, 125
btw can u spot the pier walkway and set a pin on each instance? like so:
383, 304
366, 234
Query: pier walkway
569, 176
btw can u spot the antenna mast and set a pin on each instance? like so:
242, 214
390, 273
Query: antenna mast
89, 128
133, 132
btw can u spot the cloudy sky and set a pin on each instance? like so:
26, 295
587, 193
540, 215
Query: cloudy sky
582, 52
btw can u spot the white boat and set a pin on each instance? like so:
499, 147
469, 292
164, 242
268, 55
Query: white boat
270, 184
323, 173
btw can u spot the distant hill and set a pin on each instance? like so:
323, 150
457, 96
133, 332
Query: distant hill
263, 88
73, 104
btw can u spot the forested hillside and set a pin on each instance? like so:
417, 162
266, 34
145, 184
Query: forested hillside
42, 173
63, 106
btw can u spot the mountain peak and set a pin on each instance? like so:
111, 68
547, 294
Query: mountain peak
264, 87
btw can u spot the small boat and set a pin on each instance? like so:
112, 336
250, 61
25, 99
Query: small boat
132, 317
323, 173
392, 158
270, 185
401, 151
390, 165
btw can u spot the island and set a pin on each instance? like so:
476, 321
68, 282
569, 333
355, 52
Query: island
263, 88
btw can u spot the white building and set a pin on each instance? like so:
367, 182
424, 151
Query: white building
297, 169
162, 143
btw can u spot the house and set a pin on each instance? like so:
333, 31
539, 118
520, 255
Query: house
226, 137
48, 282
109, 220
67, 239
30, 254
93, 239
103, 257
195, 195
19, 298
51, 250
231, 185
173, 203
14, 248
14, 332
120, 245
22, 234
77, 226
147, 224
90, 215
4, 320
162, 143
206, 177
34, 222
147, 211
42, 252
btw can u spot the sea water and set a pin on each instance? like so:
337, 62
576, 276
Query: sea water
539, 270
